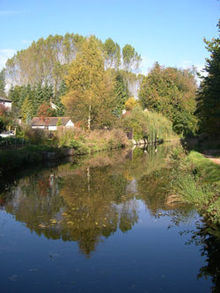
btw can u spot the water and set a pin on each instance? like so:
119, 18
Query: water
103, 224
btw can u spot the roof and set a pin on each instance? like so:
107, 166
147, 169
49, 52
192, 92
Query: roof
5, 100
49, 121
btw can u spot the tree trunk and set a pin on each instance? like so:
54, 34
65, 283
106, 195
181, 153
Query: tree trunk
89, 118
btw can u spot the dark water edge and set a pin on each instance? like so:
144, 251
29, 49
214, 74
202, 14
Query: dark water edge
103, 224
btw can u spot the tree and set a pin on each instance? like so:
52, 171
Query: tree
90, 96
131, 59
121, 93
2, 83
45, 111
208, 101
27, 110
172, 92
46, 61
112, 53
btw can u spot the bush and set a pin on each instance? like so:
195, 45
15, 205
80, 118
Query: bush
7, 141
89, 141
149, 125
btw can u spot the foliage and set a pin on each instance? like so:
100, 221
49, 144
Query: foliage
37, 95
147, 125
171, 92
6, 118
59, 122
90, 96
208, 101
112, 54
196, 180
46, 61
130, 103
45, 111
12, 141
91, 141
131, 58
121, 92
27, 110
2, 124
2, 83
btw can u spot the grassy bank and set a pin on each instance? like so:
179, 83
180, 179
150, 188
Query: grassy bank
196, 180
84, 142
66, 142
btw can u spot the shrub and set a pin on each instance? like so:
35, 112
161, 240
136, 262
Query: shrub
149, 125
96, 140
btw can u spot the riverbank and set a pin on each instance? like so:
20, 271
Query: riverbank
196, 180
67, 144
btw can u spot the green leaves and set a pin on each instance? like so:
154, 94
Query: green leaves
131, 58
208, 100
172, 92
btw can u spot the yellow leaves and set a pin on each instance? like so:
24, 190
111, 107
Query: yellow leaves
70, 223
130, 103
53, 221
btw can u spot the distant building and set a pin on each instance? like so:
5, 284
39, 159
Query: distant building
51, 123
5, 102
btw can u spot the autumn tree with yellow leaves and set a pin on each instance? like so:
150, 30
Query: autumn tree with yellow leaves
90, 94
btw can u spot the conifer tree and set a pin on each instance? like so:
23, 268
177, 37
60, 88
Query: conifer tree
27, 110
208, 106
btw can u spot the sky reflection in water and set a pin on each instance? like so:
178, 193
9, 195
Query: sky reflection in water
100, 224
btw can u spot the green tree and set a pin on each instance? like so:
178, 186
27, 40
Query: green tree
208, 102
27, 110
172, 92
121, 93
131, 59
112, 53
89, 95
2, 83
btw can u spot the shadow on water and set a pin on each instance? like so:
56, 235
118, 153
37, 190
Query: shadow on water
90, 199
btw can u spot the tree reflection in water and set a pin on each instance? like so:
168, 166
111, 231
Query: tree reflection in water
92, 198
208, 237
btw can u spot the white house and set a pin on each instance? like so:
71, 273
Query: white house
51, 123
5, 102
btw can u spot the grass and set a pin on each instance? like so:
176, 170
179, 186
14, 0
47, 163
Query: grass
208, 171
197, 181
91, 141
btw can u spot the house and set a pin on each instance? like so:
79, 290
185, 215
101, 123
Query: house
5, 102
51, 123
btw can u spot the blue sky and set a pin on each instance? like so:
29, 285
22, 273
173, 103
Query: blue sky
168, 31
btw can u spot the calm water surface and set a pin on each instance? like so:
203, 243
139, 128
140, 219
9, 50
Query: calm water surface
104, 223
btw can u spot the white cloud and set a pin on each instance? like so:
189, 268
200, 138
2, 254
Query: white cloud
4, 55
